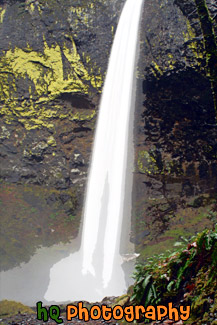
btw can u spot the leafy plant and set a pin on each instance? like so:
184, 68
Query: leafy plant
178, 274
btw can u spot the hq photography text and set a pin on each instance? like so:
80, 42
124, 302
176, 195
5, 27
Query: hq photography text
96, 312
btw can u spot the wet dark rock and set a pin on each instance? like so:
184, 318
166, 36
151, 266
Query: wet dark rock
187, 189
81, 129
64, 198
204, 169
78, 101
190, 170
11, 149
140, 237
78, 160
175, 127
67, 137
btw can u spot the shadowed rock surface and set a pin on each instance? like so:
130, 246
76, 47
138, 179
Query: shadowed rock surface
175, 129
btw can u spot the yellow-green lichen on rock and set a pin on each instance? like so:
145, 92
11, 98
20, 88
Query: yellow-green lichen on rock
193, 57
46, 70
84, 13
51, 141
147, 164
190, 39
82, 116
30, 6
4, 133
47, 80
156, 70
2, 13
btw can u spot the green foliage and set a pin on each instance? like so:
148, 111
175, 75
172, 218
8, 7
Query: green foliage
144, 287
11, 308
172, 275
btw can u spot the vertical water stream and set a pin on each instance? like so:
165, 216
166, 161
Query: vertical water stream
95, 271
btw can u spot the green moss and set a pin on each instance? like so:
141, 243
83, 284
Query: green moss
121, 301
11, 308
182, 222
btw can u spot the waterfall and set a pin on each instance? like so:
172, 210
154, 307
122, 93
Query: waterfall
95, 271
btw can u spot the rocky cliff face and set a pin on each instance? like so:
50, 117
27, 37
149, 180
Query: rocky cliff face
53, 61
175, 129
54, 56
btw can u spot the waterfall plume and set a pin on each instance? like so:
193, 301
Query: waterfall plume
95, 271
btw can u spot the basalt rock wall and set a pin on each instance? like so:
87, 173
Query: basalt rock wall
175, 129
53, 59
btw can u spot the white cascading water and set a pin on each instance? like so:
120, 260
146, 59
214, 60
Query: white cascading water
95, 271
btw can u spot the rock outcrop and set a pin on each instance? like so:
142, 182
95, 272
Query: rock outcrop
54, 56
53, 59
175, 128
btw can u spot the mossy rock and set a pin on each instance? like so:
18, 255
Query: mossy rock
10, 308
121, 301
